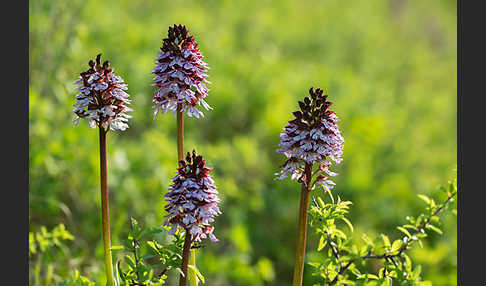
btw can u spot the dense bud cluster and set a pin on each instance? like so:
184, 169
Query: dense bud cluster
193, 199
180, 74
102, 99
312, 137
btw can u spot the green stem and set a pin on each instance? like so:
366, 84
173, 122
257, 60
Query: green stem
302, 232
105, 209
192, 273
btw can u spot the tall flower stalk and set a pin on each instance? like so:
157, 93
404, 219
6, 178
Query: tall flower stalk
310, 139
104, 103
180, 77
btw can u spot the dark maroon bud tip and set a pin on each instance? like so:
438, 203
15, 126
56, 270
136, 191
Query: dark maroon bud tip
91, 63
297, 114
106, 64
302, 105
98, 59
307, 117
307, 101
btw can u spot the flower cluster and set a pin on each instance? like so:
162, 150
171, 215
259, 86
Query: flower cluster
193, 199
312, 137
102, 99
180, 74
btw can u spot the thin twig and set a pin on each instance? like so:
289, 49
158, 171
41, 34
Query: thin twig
402, 248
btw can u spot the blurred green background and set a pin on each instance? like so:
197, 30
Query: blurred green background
388, 66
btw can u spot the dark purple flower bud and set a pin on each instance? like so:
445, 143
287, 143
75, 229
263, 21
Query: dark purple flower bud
180, 74
102, 99
312, 137
192, 202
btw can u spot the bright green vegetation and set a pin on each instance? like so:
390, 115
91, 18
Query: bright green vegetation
388, 66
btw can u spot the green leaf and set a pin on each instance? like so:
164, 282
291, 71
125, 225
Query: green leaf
386, 240
408, 262
119, 270
330, 194
369, 276
117, 247
117, 274
367, 240
322, 243
381, 272
424, 198
405, 231
339, 233
129, 260
396, 245
436, 229
314, 264
199, 275
348, 223
420, 243
416, 272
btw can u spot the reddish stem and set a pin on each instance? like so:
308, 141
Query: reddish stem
180, 132
185, 258
105, 209
302, 232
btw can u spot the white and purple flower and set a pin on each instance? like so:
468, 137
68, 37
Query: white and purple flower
312, 137
180, 74
102, 99
192, 202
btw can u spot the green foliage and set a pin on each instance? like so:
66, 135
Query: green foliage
43, 248
43, 240
388, 65
345, 263
146, 261
77, 280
